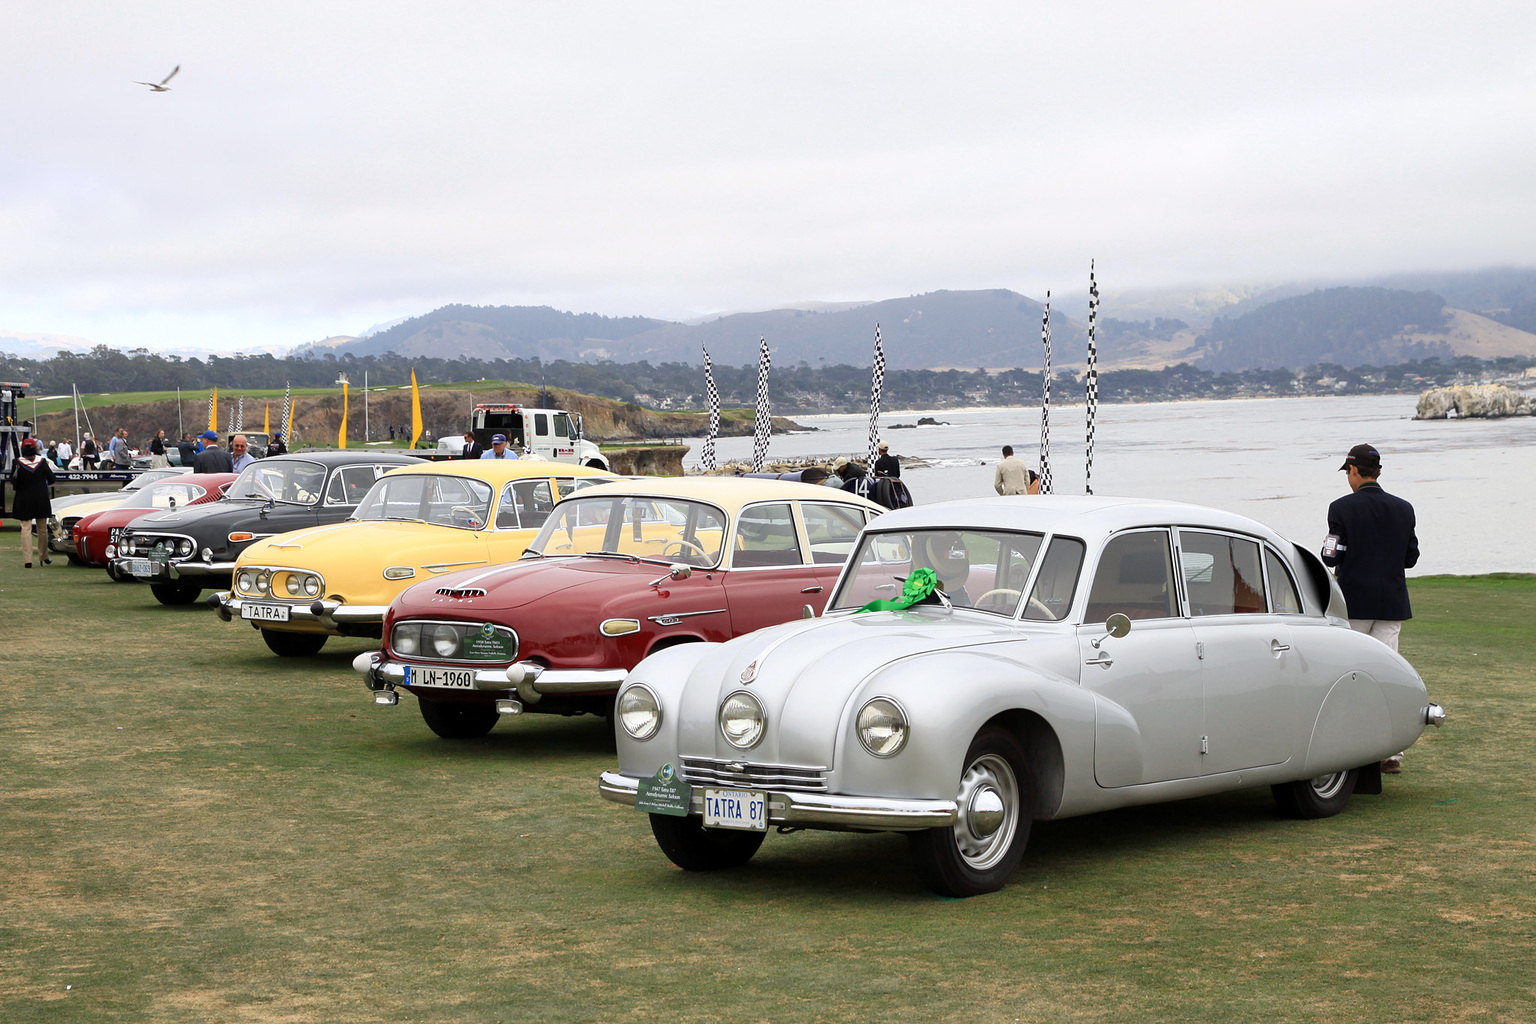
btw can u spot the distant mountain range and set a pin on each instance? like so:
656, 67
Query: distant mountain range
1408, 316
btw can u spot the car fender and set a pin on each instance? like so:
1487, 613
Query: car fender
666, 674
948, 697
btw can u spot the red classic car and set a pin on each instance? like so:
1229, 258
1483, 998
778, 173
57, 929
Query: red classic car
617, 572
96, 535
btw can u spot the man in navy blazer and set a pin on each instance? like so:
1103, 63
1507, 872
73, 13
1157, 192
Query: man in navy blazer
1371, 541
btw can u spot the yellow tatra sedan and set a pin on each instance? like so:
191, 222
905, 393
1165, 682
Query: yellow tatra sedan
415, 523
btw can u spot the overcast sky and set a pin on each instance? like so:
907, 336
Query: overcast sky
320, 167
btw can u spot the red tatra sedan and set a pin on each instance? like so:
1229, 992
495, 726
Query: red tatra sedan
96, 535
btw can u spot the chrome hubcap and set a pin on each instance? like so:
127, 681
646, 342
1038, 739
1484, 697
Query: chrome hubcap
989, 811
1326, 787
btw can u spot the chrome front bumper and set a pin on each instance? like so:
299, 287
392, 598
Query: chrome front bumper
533, 680
816, 810
327, 614
198, 570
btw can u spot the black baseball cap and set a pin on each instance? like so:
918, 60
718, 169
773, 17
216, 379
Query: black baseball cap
1362, 456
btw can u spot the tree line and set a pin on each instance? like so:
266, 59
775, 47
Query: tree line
797, 387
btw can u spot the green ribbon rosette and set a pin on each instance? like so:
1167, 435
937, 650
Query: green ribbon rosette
916, 587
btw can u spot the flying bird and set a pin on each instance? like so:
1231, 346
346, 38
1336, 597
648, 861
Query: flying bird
161, 87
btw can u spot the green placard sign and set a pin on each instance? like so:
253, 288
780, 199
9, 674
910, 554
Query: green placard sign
664, 793
490, 644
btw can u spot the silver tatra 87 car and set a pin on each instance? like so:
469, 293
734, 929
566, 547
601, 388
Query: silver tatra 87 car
986, 664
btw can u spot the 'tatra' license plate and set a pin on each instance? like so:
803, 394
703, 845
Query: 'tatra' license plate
736, 808
454, 678
264, 612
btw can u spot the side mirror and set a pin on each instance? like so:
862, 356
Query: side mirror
680, 571
1118, 624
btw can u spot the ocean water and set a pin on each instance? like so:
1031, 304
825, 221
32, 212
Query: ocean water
1472, 482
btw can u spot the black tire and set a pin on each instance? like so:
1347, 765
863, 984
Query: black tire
455, 721
1322, 797
692, 847
175, 593
75, 559
982, 850
293, 645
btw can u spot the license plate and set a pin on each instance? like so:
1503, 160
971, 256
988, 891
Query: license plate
264, 612
736, 808
140, 567
453, 678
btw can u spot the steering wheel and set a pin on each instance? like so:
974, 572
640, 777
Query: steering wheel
1007, 592
683, 547
947, 556
471, 517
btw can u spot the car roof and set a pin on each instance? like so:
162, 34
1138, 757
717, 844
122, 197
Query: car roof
1090, 517
499, 471
726, 491
331, 458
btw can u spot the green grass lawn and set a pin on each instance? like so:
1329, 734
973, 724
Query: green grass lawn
194, 830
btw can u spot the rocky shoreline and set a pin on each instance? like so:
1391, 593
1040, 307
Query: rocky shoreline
1473, 401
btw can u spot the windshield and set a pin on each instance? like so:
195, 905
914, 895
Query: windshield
291, 480
165, 494
454, 501
670, 529
983, 569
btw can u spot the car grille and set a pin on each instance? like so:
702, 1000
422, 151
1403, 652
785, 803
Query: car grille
460, 592
793, 778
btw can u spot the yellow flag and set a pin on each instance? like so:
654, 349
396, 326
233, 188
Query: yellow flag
266, 426
341, 439
416, 426
213, 411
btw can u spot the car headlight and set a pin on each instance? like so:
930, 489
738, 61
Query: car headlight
294, 584
639, 712
445, 641
882, 727
184, 549
207, 554
311, 586
406, 639
741, 720
125, 546
246, 581
261, 583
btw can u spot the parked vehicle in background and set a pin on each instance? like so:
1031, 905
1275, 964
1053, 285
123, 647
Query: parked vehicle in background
1046, 659
183, 551
71, 508
96, 535
617, 572
552, 434
416, 523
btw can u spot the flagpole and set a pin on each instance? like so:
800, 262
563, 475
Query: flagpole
1092, 376
707, 455
1045, 401
365, 407
764, 425
180, 428
876, 386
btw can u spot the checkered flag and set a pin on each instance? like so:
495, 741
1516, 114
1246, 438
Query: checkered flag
1092, 376
240, 415
707, 457
287, 417
1045, 402
213, 424
764, 424
877, 385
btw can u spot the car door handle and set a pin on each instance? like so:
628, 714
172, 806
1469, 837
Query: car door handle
1276, 646
1102, 659
811, 590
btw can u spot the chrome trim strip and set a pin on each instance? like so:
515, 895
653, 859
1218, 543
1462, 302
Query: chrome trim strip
812, 809
180, 569
673, 618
